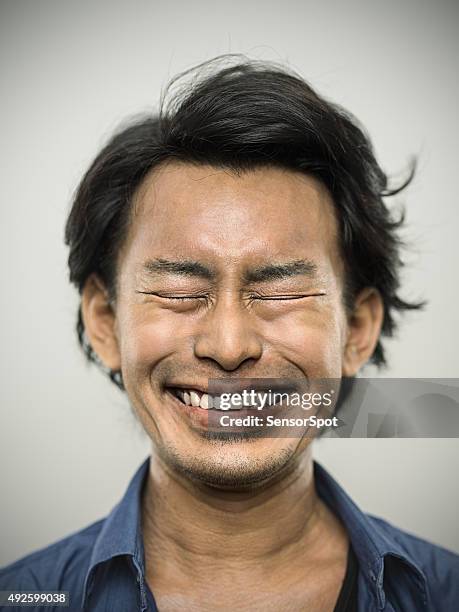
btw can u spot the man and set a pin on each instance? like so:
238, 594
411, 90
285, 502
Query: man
241, 234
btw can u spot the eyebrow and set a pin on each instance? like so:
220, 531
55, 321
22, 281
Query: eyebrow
191, 268
279, 271
182, 268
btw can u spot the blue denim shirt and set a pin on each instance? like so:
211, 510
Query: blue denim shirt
103, 566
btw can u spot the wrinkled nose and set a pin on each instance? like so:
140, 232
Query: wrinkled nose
228, 336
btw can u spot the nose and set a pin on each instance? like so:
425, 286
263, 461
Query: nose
228, 335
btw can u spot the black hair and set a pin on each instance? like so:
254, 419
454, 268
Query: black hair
242, 115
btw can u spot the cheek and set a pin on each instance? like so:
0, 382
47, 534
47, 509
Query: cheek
310, 339
146, 340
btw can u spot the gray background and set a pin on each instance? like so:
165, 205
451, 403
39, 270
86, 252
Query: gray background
70, 72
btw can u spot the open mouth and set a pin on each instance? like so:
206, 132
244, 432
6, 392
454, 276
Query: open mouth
200, 399
193, 397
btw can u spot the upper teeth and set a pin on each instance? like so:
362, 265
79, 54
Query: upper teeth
204, 401
192, 397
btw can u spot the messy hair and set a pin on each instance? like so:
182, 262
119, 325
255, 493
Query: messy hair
240, 114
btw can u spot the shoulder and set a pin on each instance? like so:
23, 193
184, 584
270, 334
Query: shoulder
439, 565
60, 566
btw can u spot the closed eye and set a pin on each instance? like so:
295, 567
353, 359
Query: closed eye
173, 297
284, 297
278, 297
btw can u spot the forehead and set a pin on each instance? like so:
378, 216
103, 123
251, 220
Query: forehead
217, 214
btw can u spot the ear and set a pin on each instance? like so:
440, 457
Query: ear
100, 322
364, 328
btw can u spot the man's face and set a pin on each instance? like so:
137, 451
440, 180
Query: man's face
226, 276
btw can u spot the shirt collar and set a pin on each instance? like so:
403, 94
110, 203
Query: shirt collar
372, 544
121, 534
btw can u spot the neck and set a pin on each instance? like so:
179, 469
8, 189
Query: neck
198, 527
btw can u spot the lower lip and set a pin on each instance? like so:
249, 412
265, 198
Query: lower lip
199, 417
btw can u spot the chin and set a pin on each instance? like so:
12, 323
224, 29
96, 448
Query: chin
232, 462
